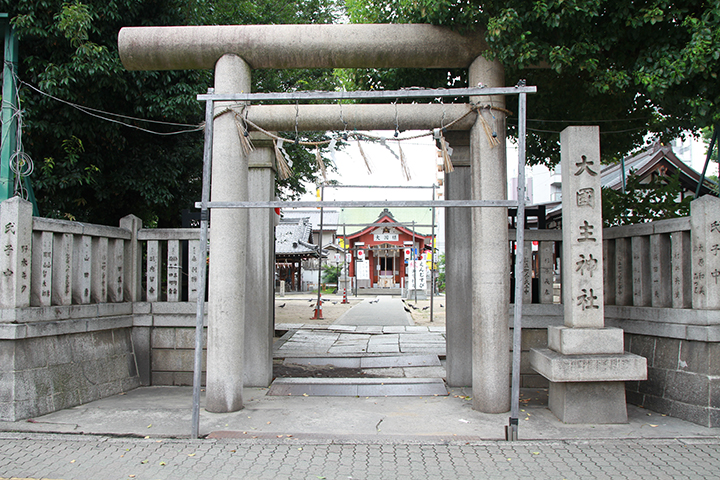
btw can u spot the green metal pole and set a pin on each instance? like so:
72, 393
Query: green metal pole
9, 97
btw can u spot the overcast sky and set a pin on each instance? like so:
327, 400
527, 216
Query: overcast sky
421, 157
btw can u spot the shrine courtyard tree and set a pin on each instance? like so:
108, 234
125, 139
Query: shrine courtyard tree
98, 171
634, 68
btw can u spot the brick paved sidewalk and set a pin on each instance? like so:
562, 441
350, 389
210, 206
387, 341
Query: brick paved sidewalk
92, 457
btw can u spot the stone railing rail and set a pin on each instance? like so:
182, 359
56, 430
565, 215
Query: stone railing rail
77, 263
646, 265
136, 288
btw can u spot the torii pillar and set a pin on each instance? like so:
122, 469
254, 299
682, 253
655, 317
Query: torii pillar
228, 247
490, 259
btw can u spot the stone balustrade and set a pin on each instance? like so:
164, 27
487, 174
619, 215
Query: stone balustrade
135, 289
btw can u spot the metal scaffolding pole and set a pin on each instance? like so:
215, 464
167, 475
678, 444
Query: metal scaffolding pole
432, 259
202, 267
511, 431
318, 305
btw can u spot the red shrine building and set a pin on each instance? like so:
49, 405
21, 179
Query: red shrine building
382, 250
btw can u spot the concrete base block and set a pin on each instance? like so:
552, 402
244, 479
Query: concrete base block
588, 402
557, 367
421, 294
585, 341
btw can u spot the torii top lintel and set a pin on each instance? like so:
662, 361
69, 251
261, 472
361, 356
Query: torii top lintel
299, 46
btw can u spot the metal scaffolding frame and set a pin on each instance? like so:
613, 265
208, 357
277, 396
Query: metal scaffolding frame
511, 430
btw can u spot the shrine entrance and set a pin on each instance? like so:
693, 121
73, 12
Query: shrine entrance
242, 155
384, 257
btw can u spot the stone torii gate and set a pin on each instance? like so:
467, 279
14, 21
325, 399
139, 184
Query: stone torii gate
239, 350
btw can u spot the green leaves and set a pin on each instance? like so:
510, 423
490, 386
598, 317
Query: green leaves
331, 273
614, 59
644, 202
74, 21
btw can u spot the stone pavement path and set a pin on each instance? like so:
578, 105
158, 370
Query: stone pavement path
340, 340
91, 457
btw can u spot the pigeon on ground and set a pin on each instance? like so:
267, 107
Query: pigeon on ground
425, 308
442, 306
281, 306
407, 309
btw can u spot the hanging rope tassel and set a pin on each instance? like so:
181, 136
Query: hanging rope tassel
244, 135
320, 163
447, 163
365, 158
492, 139
283, 167
403, 164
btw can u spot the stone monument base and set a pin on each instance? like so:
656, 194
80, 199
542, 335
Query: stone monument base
588, 388
421, 294
588, 402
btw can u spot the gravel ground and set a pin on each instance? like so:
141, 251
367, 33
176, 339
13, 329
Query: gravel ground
299, 309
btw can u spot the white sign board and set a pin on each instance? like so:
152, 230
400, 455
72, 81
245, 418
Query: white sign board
363, 270
386, 237
420, 267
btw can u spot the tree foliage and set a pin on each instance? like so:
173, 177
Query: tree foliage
99, 171
331, 273
93, 170
644, 202
632, 67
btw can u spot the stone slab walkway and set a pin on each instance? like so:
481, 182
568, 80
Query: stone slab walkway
353, 340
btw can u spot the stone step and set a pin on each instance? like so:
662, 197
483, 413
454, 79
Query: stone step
389, 361
358, 387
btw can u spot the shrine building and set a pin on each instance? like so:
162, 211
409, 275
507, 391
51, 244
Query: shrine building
382, 250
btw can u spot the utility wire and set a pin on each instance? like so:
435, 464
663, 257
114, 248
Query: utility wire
100, 113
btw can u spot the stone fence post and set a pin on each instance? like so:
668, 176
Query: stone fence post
16, 257
132, 260
705, 221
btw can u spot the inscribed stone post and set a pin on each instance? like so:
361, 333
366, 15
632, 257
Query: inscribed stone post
82, 269
681, 269
15, 258
527, 273
582, 227
116, 259
132, 260
194, 269
173, 271
153, 270
705, 221
42, 253
546, 272
609, 278
623, 272
99, 273
641, 270
62, 269
661, 270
